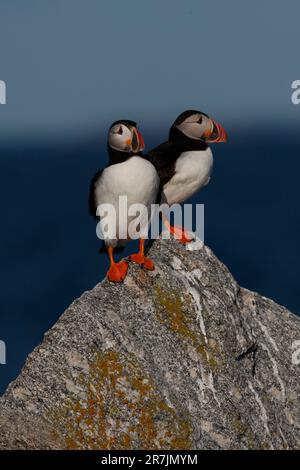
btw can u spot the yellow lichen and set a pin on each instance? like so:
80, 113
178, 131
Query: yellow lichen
242, 429
121, 409
176, 315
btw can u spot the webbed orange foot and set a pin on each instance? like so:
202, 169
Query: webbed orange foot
180, 234
142, 260
117, 271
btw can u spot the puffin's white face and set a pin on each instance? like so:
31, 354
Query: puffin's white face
199, 126
125, 139
195, 126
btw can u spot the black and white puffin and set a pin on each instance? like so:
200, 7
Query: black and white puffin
184, 163
128, 174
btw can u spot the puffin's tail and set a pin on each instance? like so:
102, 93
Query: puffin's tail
103, 248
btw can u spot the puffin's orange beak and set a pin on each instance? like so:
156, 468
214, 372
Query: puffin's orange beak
216, 134
137, 142
141, 141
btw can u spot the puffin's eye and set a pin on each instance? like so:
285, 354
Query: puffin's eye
200, 120
120, 131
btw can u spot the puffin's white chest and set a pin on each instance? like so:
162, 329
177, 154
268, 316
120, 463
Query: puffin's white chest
192, 172
136, 179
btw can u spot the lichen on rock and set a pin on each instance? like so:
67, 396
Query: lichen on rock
121, 408
178, 358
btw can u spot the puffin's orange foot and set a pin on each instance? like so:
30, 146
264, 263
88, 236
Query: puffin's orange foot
181, 235
137, 258
117, 272
145, 262
185, 238
148, 264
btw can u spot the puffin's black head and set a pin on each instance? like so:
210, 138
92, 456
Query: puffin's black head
197, 126
123, 136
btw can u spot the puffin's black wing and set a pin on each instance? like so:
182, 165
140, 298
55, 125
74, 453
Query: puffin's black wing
92, 201
164, 158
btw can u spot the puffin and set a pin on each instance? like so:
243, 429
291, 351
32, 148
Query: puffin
184, 162
127, 174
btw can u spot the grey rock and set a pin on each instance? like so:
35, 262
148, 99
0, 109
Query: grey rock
177, 358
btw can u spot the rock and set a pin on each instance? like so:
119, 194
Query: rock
178, 358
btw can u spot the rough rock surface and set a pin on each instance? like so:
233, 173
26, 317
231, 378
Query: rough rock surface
179, 358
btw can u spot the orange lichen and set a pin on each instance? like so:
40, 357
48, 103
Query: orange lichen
171, 311
120, 408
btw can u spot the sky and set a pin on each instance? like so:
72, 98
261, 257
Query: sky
71, 67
